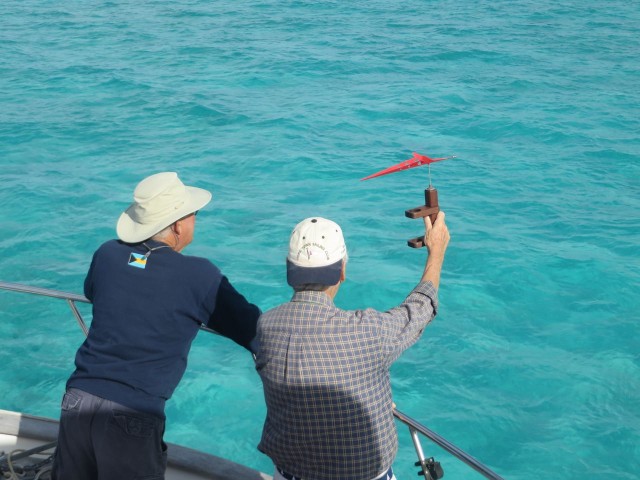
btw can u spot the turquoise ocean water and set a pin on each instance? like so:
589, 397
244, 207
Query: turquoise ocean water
279, 108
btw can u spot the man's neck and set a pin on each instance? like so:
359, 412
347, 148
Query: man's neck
332, 291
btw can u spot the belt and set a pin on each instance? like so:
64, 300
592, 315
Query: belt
385, 476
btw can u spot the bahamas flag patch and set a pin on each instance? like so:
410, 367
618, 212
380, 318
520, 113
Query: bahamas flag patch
137, 260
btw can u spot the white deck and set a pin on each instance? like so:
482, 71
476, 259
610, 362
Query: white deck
19, 431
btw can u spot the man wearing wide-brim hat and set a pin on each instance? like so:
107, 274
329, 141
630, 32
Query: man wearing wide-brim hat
149, 301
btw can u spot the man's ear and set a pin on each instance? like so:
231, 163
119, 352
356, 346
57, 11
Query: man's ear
176, 227
343, 272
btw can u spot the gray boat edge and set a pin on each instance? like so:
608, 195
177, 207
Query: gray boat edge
179, 457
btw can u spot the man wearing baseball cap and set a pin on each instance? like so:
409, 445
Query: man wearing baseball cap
325, 371
149, 301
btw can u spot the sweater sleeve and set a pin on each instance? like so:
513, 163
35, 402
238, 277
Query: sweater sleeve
88, 281
234, 317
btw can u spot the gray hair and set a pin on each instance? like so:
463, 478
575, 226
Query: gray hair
311, 287
162, 234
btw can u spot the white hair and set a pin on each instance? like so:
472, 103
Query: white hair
162, 234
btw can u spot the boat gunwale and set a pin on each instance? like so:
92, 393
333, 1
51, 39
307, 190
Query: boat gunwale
180, 458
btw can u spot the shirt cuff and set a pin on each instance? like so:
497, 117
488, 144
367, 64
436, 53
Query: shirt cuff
428, 289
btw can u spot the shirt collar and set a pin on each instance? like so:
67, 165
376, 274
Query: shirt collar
310, 296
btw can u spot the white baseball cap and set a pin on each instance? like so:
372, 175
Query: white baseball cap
316, 252
158, 201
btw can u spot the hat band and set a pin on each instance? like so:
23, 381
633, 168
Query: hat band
326, 275
150, 215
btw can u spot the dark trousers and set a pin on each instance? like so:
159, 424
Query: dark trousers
103, 440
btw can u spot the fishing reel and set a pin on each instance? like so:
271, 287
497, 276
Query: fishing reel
430, 469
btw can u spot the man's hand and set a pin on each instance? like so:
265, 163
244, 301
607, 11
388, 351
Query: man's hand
436, 236
436, 239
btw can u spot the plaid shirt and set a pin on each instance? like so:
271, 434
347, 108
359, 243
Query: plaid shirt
326, 382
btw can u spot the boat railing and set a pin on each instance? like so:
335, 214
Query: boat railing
429, 467
428, 463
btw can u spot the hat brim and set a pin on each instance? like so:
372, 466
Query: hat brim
130, 231
327, 275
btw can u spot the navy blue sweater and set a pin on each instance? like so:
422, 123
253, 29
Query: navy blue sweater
146, 313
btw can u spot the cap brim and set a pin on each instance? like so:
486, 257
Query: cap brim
130, 231
327, 275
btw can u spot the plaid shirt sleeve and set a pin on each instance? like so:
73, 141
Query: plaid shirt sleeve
403, 325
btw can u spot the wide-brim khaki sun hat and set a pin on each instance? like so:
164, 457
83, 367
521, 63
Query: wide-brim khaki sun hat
158, 201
